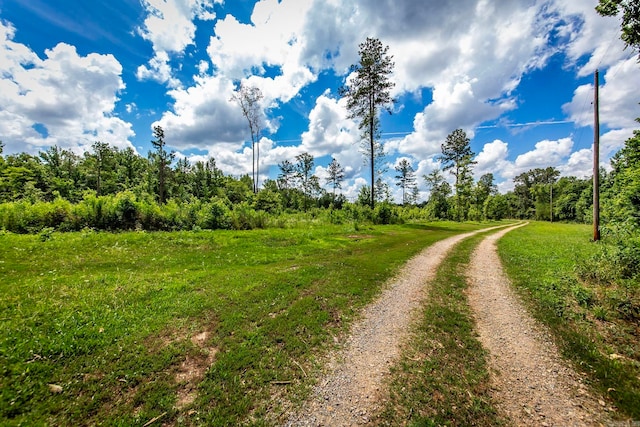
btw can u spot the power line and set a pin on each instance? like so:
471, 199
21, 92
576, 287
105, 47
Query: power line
515, 125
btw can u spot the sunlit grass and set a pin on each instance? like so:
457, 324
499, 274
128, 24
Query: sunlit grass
95, 326
542, 259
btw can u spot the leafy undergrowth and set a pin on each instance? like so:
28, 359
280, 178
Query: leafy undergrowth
593, 321
187, 328
442, 378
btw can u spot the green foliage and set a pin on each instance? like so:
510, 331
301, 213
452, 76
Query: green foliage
621, 200
268, 201
457, 157
384, 213
216, 215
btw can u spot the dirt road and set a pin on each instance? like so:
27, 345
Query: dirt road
350, 392
531, 382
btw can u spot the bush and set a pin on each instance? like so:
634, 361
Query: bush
215, 215
268, 201
385, 213
126, 211
244, 217
358, 213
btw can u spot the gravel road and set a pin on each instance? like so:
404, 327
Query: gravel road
532, 385
530, 381
350, 392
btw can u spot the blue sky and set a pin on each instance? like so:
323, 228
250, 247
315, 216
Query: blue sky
517, 76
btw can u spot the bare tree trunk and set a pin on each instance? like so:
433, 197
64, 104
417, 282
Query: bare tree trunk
253, 164
372, 112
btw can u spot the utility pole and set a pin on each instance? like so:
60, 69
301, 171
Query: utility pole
596, 162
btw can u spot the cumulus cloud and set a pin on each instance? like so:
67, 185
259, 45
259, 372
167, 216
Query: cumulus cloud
203, 117
64, 99
618, 105
460, 65
274, 39
170, 28
493, 159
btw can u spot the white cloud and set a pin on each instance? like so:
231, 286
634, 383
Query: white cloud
330, 131
546, 153
618, 105
472, 69
203, 117
170, 28
65, 99
590, 34
273, 39
493, 159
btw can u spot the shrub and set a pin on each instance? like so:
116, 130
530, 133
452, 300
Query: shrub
268, 201
126, 211
384, 213
215, 215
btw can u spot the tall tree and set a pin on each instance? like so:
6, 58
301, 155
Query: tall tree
100, 163
62, 170
440, 190
630, 25
335, 175
162, 160
533, 191
248, 98
303, 172
406, 180
182, 179
287, 175
207, 178
484, 188
131, 168
457, 157
367, 92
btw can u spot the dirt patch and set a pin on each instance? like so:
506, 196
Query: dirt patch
193, 369
531, 383
359, 236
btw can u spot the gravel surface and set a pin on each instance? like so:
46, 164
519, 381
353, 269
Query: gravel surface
350, 392
530, 381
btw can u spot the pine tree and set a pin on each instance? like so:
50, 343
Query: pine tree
368, 91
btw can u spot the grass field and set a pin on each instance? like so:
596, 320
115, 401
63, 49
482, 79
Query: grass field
590, 321
120, 329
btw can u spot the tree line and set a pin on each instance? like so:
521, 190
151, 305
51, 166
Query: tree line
109, 176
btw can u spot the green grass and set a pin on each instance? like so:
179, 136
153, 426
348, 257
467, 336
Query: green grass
109, 317
442, 378
542, 260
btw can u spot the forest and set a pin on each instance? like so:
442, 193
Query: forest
117, 189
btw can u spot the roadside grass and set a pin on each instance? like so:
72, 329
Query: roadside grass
186, 328
442, 378
543, 260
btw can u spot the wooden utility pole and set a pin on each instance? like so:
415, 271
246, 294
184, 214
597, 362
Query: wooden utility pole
596, 162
